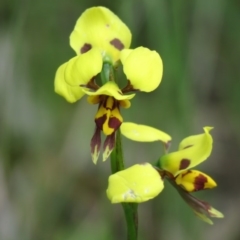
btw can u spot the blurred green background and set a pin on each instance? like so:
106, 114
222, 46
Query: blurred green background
49, 187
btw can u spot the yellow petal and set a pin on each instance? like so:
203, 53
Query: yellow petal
109, 89
94, 99
193, 180
125, 103
71, 94
99, 27
138, 183
192, 151
81, 69
124, 54
143, 68
190, 141
143, 133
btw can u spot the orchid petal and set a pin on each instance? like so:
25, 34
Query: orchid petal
192, 151
193, 180
138, 183
143, 68
110, 89
81, 69
71, 94
143, 133
99, 27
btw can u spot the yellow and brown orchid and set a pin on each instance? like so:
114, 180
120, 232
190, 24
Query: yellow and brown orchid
101, 41
143, 182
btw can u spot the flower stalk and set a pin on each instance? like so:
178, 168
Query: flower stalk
130, 209
102, 43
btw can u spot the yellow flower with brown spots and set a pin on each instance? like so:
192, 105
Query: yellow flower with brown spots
101, 41
145, 182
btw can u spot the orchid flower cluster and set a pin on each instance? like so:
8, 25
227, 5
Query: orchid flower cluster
102, 45
145, 181
101, 41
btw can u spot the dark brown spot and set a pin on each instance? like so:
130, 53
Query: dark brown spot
114, 123
100, 121
184, 164
85, 48
199, 182
91, 85
117, 44
129, 88
188, 146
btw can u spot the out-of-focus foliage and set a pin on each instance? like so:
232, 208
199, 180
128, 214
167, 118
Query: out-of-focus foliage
49, 188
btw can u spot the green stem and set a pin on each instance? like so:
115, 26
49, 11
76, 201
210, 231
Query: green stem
117, 162
130, 209
131, 216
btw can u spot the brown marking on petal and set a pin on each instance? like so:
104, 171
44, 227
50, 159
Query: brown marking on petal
129, 88
117, 44
100, 121
114, 123
96, 141
109, 142
107, 25
199, 182
188, 146
85, 48
91, 85
184, 164
186, 173
114, 105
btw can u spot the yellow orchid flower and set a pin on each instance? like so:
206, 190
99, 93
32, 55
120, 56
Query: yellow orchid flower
192, 151
138, 183
101, 41
95, 39
131, 185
